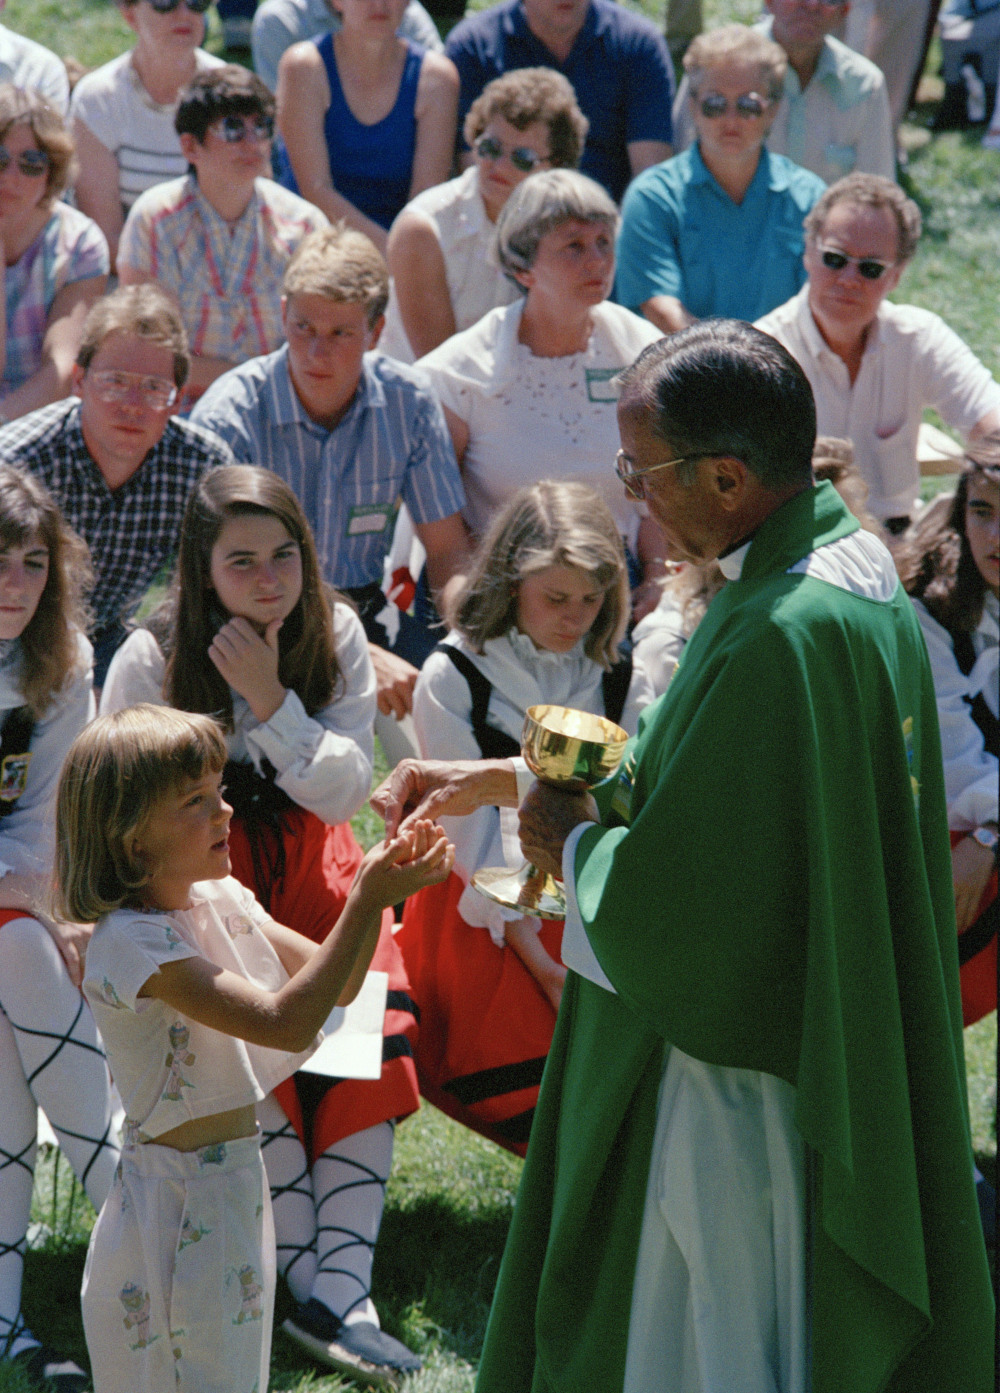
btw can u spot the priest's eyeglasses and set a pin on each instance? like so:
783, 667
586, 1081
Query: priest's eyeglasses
632, 478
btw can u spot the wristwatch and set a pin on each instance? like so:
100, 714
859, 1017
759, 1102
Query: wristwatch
986, 837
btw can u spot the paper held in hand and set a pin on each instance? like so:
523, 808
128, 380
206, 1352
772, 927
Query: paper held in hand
352, 1044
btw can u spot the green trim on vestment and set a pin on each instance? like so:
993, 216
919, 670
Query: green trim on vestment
781, 901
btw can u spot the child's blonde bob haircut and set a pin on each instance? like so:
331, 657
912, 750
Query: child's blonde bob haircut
117, 769
547, 524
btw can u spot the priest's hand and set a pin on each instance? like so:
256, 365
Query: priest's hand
433, 788
546, 818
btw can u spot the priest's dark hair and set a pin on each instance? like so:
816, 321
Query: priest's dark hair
721, 387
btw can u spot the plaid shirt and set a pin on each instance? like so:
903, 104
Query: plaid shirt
133, 530
227, 281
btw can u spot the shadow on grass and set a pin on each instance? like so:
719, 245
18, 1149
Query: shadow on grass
435, 1270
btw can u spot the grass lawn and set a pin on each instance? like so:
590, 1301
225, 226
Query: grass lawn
451, 1194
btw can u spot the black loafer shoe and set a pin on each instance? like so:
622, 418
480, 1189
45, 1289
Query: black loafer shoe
50, 1371
361, 1350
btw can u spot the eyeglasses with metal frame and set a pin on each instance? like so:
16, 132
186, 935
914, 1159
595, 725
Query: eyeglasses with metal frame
749, 105
522, 157
113, 385
31, 163
632, 478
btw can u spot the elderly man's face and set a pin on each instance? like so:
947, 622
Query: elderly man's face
842, 300
694, 528
804, 23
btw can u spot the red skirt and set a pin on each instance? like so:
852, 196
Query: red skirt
485, 1024
979, 974
320, 863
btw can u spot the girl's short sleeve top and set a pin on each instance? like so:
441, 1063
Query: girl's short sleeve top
168, 1068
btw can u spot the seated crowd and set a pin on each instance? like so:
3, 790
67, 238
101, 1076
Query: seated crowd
358, 379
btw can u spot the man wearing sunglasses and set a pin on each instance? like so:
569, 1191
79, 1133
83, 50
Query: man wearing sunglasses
117, 461
617, 62
875, 365
219, 239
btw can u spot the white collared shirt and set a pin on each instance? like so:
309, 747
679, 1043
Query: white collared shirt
912, 360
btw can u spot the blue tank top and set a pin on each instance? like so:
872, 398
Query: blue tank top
372, 165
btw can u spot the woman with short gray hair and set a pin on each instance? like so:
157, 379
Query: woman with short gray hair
529, 392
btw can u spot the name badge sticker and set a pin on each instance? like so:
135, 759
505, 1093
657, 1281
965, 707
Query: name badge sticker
13, 776
602, 384
370, 518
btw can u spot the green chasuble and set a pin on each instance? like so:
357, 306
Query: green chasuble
771, 890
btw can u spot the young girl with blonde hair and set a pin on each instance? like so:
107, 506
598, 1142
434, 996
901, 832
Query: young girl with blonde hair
538, 619
50, 1054
249, 632
204, 1003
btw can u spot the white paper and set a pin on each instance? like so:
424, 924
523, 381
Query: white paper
352, 1044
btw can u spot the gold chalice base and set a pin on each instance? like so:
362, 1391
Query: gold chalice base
568, 749
536, 894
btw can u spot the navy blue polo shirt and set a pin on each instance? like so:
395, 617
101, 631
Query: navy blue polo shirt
619, 67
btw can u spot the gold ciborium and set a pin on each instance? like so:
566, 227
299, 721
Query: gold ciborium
566, 749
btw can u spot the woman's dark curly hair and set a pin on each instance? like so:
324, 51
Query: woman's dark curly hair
934, 561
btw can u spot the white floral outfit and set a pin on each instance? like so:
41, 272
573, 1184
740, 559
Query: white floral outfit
178, 1292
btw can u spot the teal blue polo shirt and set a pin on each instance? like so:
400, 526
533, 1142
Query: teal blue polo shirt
682, 235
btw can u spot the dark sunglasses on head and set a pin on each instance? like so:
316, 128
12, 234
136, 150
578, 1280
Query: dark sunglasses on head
163, 7
521, 157
868, 267
29, 162
233, 129
748, 105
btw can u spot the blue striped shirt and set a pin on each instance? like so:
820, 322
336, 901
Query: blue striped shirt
391, 447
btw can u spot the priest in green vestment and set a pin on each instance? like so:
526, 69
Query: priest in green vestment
750, 1168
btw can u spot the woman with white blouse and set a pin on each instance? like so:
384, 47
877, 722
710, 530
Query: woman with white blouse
529, 392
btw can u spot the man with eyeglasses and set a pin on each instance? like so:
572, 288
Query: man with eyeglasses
875, 365
617, 61
749, 1169
833, 117
219, 239
115, 459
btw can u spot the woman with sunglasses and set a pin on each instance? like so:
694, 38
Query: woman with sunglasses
123, 113
717, 230
55, 258
218, 240
367, 118
529, 392
440, 255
